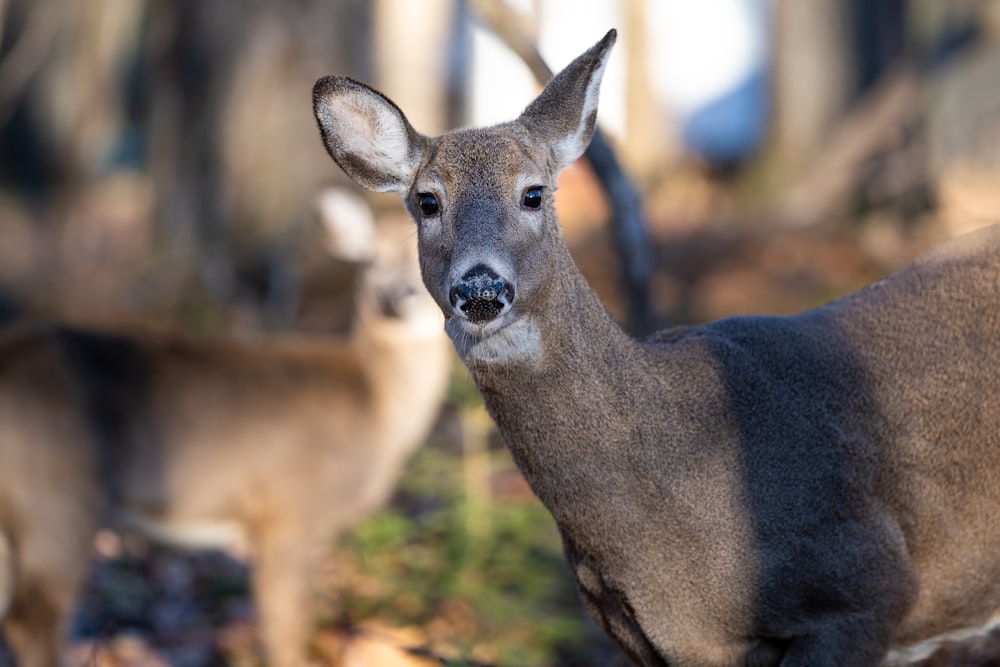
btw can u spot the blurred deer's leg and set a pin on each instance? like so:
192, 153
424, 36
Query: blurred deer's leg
49, 575
281, 592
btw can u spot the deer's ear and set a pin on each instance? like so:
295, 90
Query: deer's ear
348, 224
564, 114
367, 135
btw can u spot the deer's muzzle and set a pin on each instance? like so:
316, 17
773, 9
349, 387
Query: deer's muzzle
481, 294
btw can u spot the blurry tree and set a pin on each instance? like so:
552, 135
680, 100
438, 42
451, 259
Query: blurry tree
61, 75
963, 124
812, 76
205, 106
865, 94
63, 141
827, 55
231, 140
649, 147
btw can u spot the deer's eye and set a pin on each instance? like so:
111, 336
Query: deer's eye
532, 197
428, 203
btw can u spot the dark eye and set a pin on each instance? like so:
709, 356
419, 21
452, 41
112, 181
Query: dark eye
428, 203
532, 197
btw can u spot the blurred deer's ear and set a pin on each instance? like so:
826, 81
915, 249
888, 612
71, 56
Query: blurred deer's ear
348, 225
565, 113
367, 135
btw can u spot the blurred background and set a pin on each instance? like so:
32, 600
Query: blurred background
159, 162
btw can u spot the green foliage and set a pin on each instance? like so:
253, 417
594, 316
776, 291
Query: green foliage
486, 579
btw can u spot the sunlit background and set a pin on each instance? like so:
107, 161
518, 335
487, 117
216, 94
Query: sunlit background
159, 162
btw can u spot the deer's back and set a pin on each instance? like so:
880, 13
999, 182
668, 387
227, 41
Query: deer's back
872, 422
931, 339
179, 426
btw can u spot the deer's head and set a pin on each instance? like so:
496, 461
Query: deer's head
482, 198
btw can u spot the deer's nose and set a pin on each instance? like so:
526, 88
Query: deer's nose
481, 294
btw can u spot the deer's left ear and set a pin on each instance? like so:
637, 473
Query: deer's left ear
564, 114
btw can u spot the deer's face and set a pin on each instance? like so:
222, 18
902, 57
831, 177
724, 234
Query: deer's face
483, 207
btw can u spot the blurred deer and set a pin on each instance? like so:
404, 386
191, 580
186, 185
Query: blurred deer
803, 491
278, 443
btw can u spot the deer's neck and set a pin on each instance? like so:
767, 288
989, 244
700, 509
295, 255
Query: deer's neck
566, 408
407, 375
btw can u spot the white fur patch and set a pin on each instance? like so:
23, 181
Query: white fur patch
526, 180
572, 146
225, 535
520, 341
910, 654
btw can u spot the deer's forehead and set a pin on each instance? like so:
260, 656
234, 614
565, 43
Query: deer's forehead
483, 158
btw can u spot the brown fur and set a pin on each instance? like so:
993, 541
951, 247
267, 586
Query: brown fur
806, 491
278, 442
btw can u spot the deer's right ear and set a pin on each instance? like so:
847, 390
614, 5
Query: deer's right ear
367, 135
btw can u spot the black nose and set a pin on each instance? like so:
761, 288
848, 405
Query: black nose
481, 294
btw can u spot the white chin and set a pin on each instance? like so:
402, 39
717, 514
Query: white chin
501, 340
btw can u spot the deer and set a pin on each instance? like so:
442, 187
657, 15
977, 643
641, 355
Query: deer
819, 489
274, 443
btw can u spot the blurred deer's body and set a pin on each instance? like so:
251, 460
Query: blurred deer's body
275, 443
